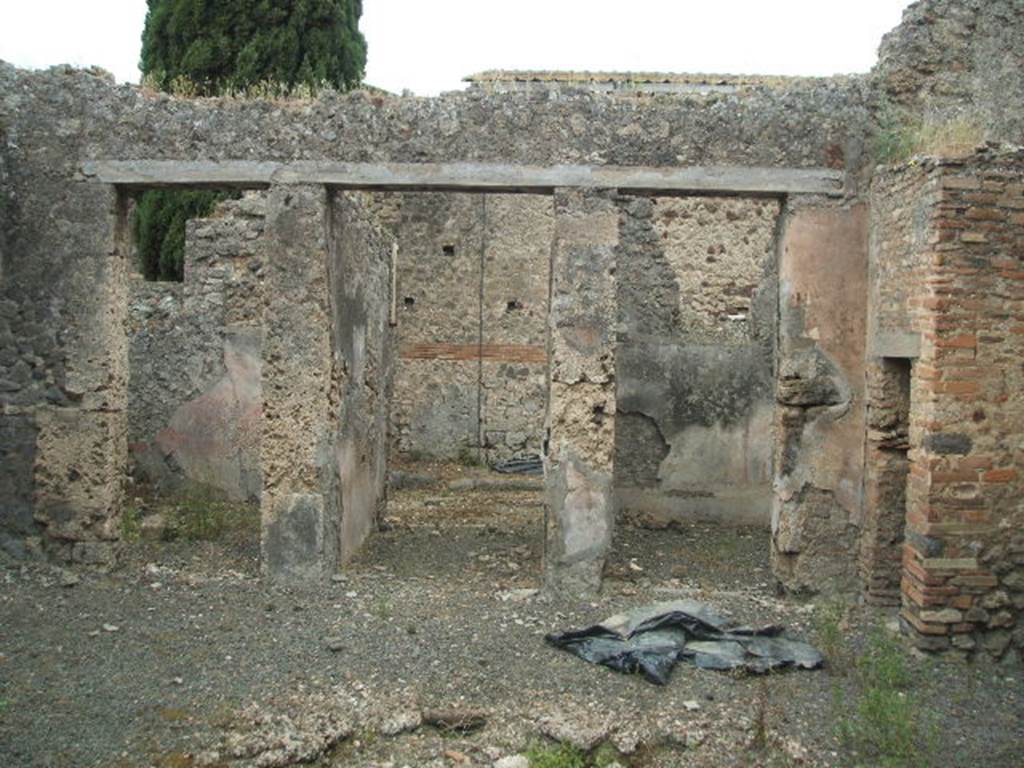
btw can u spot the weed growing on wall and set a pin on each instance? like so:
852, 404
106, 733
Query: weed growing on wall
900, 136
131, 524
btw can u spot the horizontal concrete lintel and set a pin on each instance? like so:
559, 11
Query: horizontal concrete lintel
898, 344
487, 177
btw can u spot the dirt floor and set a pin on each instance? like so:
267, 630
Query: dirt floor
429, 651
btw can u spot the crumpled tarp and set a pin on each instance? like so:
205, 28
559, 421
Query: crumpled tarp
651, 639
528, 465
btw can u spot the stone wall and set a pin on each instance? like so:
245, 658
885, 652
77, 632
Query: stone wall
194, 358
64, 304
697, 303
69, 370
958, 60
471, 308
963, 561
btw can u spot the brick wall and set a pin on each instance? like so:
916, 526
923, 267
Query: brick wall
963, 560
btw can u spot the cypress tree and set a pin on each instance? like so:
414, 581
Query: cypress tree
214, 46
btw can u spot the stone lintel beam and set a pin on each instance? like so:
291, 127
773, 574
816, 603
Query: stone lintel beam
899, 344
470, 177
581, 397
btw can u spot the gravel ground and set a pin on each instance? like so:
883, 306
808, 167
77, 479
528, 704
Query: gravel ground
183, 657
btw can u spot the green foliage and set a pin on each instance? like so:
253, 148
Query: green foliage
131, 524
159, 224
561, 756
546, 755
211, 47
224, 45
201, 516
900, 136
886, 726
884, 663
830, 633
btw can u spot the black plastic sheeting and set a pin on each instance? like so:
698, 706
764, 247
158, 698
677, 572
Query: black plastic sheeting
530, 465
650, 640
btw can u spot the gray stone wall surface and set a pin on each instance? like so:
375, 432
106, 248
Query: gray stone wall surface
194, 395
300, 504
471, 311
959, 60
697, 303
580, 425
327, 362
64, 268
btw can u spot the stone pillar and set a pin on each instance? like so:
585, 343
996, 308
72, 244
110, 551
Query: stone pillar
300, 517
580, 427
81, 440
819, 418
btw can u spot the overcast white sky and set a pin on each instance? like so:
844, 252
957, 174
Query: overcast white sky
427, 47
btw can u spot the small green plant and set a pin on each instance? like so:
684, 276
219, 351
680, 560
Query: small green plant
131, 524
470, 457
200, 515
830, 633
382, 609
884, 663
896, 137
900, 136
604, 756
885, 727
759, 738
561, 756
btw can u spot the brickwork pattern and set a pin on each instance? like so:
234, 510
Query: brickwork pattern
963, 563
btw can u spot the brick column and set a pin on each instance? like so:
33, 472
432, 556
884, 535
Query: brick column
300, 518
580, 423
963, 565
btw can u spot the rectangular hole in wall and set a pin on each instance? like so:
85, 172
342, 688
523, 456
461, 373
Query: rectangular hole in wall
469, 384
695, 418
157, 220
886, 473
195, 336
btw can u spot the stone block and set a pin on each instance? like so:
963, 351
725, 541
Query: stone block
293, 538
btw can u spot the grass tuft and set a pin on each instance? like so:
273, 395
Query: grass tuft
901, 136
560, 756
885, 726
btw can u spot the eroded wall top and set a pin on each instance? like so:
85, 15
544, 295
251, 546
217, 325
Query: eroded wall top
954, 59
60, 117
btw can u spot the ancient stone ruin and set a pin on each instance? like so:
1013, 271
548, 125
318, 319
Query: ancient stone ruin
696, 297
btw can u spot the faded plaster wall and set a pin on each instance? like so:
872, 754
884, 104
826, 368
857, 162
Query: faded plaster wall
194, 393
697, 303
817, 506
